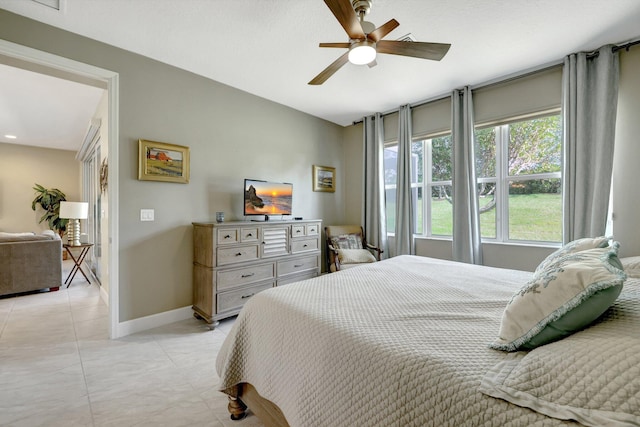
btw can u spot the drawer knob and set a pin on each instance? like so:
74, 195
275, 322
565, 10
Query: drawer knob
247, 275
227, 236
304, 246
247, 296
297, 265
297, 231
250, 235
239, 254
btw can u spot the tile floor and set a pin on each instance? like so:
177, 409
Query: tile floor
58, 367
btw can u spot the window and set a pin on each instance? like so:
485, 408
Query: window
518, 167
519, 179
431, 175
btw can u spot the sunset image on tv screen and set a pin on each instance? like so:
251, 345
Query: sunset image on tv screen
267, 198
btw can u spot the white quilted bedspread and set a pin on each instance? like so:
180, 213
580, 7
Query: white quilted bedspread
592, 376
402, 342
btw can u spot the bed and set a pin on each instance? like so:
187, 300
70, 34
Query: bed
405, 342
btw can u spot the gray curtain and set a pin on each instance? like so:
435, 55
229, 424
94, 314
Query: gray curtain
589, 106
467, 245
374, 215
404, 201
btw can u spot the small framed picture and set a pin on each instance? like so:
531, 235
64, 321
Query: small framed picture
159, 161
324, 179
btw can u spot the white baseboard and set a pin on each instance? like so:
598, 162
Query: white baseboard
153, 321
104, 295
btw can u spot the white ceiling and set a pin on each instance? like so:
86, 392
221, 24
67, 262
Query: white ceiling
270, 47
44, 111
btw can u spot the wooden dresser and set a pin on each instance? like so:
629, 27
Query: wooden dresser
232, 261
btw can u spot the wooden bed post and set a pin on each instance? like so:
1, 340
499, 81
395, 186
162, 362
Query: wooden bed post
236, 408
267, 411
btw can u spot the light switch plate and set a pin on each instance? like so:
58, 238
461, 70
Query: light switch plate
147, 214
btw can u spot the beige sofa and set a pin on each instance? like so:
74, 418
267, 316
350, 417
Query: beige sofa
29, 262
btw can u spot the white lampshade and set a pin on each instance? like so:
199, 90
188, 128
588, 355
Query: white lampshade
362, 53
74, 210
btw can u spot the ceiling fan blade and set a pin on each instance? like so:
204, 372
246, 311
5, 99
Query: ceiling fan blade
344, 45
328, 72
346, 16
433, 51
383, 30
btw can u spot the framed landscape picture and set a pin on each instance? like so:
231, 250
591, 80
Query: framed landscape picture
324, 178
159, 161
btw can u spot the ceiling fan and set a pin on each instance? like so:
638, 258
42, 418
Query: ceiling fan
365, 40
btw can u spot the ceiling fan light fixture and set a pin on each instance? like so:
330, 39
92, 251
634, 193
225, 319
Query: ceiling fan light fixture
363, 52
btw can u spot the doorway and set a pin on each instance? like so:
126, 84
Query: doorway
44, 62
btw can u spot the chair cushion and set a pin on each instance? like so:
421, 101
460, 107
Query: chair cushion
565, 296
347, 241
6, 234
355, 256
22, 237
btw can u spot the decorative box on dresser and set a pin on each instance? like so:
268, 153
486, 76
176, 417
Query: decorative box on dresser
232, 261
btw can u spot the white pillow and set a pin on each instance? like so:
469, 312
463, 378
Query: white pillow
355, 256
631, 266
573, 247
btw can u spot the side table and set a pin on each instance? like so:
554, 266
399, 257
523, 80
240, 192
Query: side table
84, 250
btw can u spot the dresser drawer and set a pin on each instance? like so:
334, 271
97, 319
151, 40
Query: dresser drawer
292, 278
237, 254
249, 234
227, 235
313, 229
296, 265
304, 245
235, 299
240, 276
297, 231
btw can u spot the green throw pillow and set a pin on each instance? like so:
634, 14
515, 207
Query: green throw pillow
568, 294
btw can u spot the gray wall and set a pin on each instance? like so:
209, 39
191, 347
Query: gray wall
231, 134
20, 168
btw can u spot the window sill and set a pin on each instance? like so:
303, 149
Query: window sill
542, 245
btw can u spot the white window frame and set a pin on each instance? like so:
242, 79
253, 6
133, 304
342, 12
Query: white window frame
502, 179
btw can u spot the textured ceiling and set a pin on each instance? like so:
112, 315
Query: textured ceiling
270, 47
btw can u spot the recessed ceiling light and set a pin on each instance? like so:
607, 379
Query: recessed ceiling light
10, 136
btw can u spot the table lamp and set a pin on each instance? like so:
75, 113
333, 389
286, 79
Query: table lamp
74, 212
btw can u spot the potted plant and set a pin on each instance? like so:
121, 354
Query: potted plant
49, 200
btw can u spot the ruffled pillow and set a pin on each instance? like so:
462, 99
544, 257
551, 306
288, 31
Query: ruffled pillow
568, 294
573, 247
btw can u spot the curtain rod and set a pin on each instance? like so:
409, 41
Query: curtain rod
625, 46
395, 110
614, 49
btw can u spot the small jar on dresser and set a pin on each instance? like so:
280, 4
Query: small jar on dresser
232, 261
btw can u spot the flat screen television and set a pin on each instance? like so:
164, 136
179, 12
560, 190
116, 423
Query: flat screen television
267, 198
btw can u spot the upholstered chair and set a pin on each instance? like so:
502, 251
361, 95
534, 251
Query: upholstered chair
347, 247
